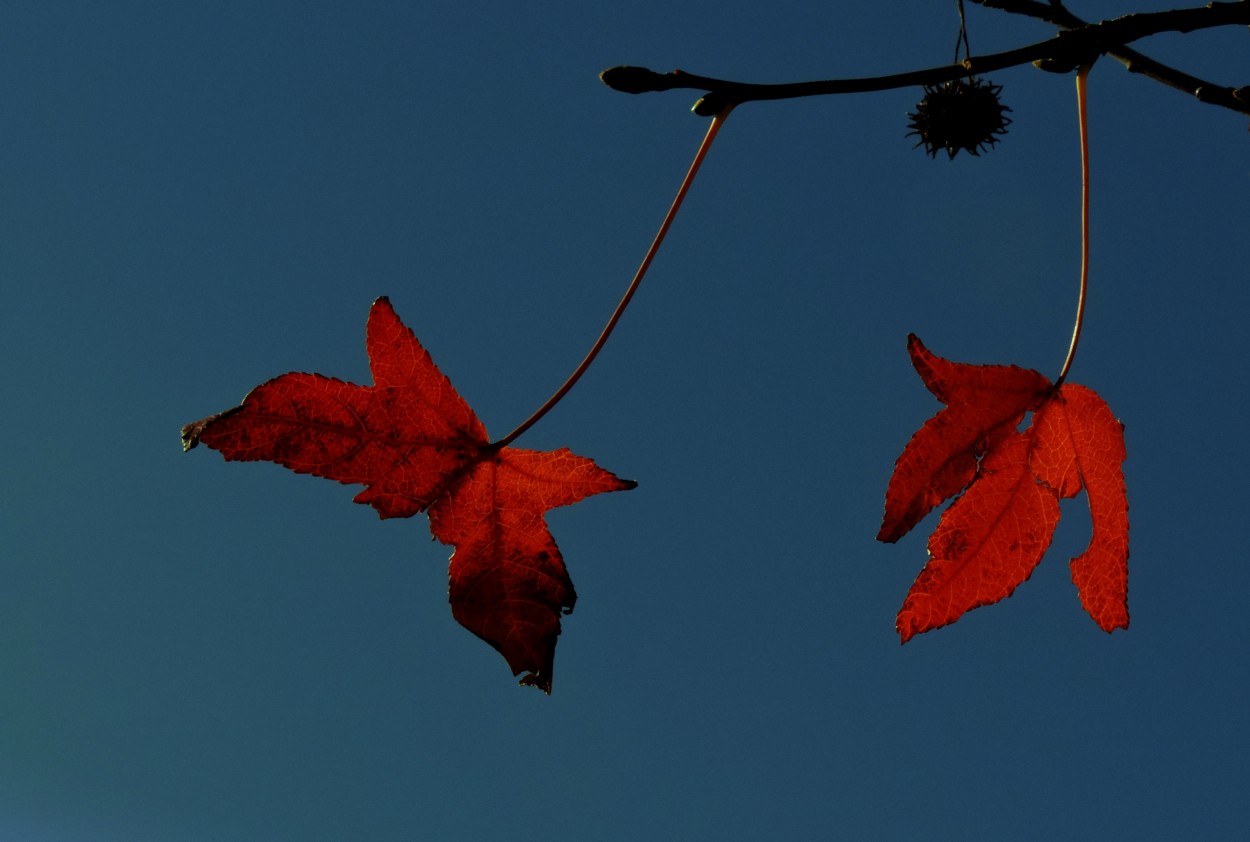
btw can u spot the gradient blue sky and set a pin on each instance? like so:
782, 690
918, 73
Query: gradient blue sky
197, 197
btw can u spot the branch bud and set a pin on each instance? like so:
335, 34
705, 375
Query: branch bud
632, 80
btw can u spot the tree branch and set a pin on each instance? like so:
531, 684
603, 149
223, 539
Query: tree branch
1237, 99
1067, 50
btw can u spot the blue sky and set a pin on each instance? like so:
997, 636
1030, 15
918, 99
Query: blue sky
196, 199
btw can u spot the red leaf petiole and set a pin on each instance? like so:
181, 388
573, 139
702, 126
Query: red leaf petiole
1081, 75
712, 131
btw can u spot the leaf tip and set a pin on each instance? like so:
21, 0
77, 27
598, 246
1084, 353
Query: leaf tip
537, 679
382, 304
191, 432
190, 437
889, 533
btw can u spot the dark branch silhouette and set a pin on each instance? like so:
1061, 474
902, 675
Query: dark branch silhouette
1076, 44
1236, 99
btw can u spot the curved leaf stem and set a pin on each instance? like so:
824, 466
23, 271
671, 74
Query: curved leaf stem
1082, 121
717, 121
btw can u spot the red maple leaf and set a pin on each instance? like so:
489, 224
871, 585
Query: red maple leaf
1008, 484
415, 445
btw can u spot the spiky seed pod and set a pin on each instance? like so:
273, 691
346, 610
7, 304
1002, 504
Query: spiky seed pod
960, 114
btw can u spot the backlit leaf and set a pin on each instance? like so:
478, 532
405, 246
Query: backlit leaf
415, 445
1009, 484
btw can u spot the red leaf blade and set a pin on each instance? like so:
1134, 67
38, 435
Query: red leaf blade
415, 444
404, 438
509, 585
985, 404
352, 434
987, 543
1081, 444
955, 383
